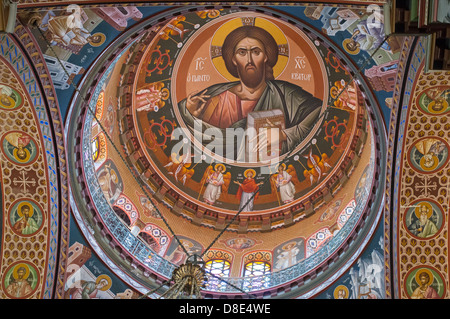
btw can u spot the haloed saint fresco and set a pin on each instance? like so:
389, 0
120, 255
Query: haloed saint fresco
19, 147
10, 99
25, 217
425, 283
68, 30
223, 96
435, 100
428, 154
424, 219
20, 280
110, 181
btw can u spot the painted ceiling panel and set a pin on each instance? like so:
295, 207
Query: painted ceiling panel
34, 193
157, 55
121, 76
420, 197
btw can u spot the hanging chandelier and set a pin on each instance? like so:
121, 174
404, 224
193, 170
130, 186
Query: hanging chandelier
188, 279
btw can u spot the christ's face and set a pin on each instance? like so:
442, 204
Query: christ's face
250, 58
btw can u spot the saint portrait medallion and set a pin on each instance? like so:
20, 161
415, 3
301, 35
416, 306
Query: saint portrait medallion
424, 218
20, 280
434, 100
19, 147
25, 217
10, 99
424, 283
428, 155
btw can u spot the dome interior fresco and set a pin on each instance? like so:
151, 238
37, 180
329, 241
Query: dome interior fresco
277, 151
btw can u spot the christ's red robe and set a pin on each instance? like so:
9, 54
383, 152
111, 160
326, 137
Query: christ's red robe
227, 108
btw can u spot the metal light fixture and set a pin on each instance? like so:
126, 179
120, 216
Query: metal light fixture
189, 279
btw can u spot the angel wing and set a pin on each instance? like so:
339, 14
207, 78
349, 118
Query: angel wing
226, 183
187, 174
273, 187
208, 172
291, 171
309, 175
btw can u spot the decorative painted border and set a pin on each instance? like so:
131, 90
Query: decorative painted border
36, 3
23, 55
37, 61
413, 54
395, 115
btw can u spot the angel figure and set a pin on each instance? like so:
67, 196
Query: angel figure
318, 166
175, 27
151, 98
180, 166
217, 182
345, 96
283, 181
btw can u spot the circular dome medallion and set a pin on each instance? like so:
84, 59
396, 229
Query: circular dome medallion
247, 91
428, 155
424, 219
10, 99
338, 152
19, 147
434, 100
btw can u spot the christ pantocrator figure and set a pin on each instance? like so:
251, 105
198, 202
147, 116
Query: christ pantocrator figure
250, 53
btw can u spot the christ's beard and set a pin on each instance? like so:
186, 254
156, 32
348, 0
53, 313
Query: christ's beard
251, 77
